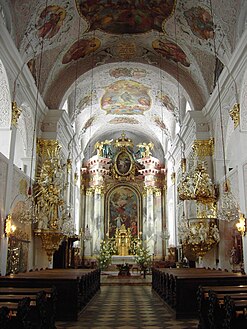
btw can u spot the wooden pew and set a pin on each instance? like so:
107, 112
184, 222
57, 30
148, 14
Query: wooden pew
235, 313
215, 310
20, 311
181, 285
75, 287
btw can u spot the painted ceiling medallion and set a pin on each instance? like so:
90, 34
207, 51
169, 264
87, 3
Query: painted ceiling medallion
170, 51
50, 21
81, 49
200, 22
126, 17
126, 97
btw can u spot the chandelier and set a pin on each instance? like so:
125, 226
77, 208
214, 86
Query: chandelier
29, 211
68, 226
228, 206
86, 236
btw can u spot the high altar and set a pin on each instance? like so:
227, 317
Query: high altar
123, 238
124, 190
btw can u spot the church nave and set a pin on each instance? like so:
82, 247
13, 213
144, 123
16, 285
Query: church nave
127, 306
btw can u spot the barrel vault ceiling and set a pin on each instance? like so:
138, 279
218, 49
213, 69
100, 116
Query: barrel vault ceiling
125, 65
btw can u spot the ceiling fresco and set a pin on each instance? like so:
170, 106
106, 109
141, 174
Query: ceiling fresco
80, 49
50, 21
121, 17
126, 97
170, 51
129, 61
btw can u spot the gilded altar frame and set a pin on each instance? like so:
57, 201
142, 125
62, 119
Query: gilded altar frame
124, 167
123, 206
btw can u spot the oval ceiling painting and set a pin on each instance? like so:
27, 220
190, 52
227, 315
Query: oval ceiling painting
121, 17
50, 21
126, 97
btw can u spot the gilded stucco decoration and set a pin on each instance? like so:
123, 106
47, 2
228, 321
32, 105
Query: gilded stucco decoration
16, 112
235, 114
203, 148
49, 187
197, 185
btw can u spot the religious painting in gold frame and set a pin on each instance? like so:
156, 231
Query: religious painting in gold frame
123, 163
123, 206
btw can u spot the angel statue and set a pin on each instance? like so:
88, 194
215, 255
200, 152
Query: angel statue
145, 149
106, 148
99, 148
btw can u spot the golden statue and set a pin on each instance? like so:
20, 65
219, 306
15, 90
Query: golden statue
122, 238
145, 149
99, 147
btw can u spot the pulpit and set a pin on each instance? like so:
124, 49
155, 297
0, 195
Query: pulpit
123, 238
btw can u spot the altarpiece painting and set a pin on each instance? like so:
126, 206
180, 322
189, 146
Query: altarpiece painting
123, 207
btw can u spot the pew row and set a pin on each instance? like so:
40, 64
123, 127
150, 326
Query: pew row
222, 307
178, 287
75, 287
36, 310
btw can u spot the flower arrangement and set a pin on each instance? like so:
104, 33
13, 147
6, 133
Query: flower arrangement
107, 249
135, 244
143, 258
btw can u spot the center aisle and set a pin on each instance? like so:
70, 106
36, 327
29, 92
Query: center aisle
127, 306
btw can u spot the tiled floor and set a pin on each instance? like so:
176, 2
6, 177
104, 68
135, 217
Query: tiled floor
125, 307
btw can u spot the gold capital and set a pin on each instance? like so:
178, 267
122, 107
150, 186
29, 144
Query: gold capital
235, 114
157, 192
89, 191
203, 148
16, 112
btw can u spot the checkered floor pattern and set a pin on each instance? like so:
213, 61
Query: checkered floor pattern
127, 307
